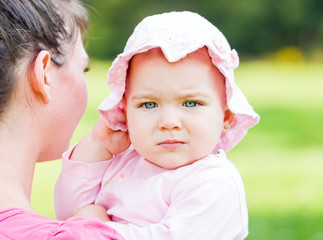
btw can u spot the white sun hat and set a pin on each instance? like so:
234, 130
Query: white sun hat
177, 34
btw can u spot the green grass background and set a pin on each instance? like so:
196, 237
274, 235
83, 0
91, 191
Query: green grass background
280, 160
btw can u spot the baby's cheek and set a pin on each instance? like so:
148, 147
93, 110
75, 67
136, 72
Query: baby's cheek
212, 136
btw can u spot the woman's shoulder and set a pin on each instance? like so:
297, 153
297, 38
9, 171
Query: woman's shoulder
16, 223
8, 215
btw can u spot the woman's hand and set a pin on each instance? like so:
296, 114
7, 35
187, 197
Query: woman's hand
100, 144
91, 211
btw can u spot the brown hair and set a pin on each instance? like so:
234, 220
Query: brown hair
29, 26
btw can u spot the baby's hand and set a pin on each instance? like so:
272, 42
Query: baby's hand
91, 211
100, 144
114, 141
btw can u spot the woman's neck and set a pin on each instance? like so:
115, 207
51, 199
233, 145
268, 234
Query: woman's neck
18, 155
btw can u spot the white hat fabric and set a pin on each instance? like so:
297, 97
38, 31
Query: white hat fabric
178, 34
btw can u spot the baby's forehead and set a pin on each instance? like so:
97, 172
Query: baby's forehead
190, 70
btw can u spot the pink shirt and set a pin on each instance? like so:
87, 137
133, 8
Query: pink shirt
204, 200
16, 223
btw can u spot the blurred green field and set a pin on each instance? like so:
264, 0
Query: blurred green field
280, 160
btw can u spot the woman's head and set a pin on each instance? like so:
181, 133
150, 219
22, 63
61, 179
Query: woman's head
30, 26
42, 62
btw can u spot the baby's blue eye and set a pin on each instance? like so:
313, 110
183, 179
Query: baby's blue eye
150, 105
190, 104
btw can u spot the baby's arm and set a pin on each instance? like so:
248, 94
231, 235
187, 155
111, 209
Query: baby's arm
83, 168
91, 211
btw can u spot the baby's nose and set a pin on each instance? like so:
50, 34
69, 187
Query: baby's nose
169, 119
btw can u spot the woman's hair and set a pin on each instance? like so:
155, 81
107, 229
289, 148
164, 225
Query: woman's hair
29, 26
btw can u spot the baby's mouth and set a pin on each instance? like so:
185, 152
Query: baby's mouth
171, 144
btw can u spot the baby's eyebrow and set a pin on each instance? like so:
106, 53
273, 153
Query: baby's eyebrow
194, 94
143, 96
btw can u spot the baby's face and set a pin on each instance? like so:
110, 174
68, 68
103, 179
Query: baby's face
174, 111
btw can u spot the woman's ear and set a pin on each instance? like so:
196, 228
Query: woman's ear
40, 80
228, 118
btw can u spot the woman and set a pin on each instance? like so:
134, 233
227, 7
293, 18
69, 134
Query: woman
43, 95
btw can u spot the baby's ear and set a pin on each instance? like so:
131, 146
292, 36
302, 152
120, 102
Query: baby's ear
124, 103
228, 118
39, 77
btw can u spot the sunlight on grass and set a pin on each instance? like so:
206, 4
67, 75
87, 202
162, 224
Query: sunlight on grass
280, 160
281, 84
282, 182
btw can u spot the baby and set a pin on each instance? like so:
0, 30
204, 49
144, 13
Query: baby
156, 159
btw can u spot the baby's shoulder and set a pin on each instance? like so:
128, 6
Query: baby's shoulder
217, 161
214, 169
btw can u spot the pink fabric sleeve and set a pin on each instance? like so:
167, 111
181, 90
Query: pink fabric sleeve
22, 224
78, 185
209, 207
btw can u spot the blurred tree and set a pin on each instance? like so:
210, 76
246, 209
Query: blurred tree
252, 27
